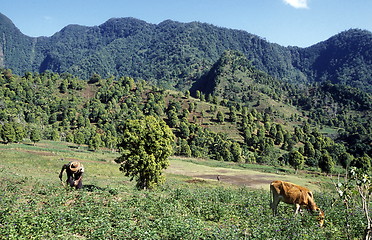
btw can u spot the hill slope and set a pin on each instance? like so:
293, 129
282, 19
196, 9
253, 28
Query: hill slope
234, 78
175, 54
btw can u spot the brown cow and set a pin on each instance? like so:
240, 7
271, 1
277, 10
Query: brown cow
293, 194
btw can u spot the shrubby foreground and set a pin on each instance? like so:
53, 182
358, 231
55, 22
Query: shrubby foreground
31, 209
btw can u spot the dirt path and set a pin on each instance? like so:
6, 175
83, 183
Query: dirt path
246, 177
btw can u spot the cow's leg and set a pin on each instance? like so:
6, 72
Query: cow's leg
274, 204
297, 208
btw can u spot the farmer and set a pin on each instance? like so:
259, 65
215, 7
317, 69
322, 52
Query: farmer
74, 172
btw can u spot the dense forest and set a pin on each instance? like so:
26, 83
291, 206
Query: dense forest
175, 55
63, 107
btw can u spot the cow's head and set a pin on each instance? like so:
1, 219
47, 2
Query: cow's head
320, 217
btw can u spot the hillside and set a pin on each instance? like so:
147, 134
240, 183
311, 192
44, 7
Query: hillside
34, 204
340, 59
263, 129
233, 77
175, 55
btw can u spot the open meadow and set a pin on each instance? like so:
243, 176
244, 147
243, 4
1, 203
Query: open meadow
191, 204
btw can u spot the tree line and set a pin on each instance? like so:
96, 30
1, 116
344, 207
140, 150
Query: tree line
61, 107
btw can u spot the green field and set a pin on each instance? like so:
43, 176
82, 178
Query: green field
192, 204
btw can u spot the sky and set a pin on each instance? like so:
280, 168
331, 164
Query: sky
299, 23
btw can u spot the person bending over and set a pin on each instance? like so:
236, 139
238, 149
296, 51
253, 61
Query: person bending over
74, 171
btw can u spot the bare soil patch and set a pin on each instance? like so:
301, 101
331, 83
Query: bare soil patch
239, 177
254, 181
41, 153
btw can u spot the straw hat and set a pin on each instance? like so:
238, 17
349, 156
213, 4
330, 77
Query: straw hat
75, 166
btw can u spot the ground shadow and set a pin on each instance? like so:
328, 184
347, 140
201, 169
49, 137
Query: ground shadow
92, 188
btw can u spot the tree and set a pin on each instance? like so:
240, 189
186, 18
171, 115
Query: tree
309, 150
173, 118
35, 135
363, 163
95, 142
296, 160
20, 132
197, 94
345, 159
8, 133
279, 138
272, 131
326, 162
55, 135
236, 152
64, 86
110, 141
184, 130
220, 117
232, 114
79, 138
145, 146
184, 148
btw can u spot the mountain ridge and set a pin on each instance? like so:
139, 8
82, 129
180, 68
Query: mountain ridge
175, 54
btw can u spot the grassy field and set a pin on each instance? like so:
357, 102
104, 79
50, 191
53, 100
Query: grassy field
192, 204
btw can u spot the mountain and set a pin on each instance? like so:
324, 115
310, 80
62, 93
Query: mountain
175, 54
345, 58
233, 77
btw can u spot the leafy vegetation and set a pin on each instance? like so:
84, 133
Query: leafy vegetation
34, 204
80, 113
146, 145
62, 107
245, 103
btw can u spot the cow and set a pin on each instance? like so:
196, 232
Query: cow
293, 194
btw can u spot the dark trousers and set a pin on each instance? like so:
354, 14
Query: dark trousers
70, 180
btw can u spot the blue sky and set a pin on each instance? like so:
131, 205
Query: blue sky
286, 22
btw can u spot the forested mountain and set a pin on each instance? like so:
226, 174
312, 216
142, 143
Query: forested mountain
233, 77
175, 54
344, 58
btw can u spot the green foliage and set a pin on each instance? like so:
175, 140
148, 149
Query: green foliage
95, 142
296, 160
219, 117
145, 145
33, 205
173, 54
173, 212
8, 133
35, 135
91, 114
326, 163
363, 163
357, 188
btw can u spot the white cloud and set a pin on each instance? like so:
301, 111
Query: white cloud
297, 3
47, 18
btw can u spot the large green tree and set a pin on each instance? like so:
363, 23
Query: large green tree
35, 135
8, 133
296, 160
326, 162
145, 146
